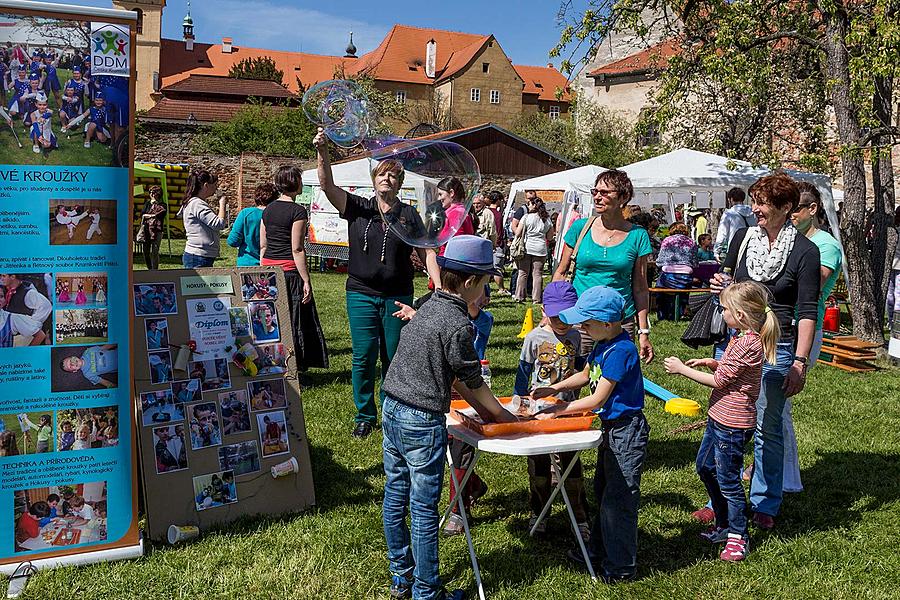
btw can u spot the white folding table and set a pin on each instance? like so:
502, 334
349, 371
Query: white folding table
522, 445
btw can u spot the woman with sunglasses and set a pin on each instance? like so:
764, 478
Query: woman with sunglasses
612, 252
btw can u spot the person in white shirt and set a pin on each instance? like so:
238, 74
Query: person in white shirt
736, 217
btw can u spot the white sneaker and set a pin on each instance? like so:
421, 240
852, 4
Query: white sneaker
87, 144
36, 149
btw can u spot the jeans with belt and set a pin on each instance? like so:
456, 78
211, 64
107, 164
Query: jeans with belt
617, 485
414, 448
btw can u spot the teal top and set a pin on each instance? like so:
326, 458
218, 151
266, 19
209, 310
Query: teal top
612, 266
830, 255
245, 236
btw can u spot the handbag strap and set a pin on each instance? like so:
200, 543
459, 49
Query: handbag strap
570, 272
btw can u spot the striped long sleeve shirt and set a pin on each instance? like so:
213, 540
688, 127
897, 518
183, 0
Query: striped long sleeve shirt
738, 377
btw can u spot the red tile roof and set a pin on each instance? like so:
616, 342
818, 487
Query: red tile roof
228, 86
169, 109
544, 81
653, 58
177, 63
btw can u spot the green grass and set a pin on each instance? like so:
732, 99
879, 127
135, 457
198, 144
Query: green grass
835, 540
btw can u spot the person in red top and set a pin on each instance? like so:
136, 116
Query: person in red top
735, 381
28, 525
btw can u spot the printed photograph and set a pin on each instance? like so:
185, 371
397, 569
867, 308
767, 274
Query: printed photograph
240, 322
267, 394
213, 374
82, 326
160, 407
87, 428
170, 449
215, 489
259, 286
56, 111
157, 333
82, 222
26, 433
152, 300
235, 412
186, 390
74, 368
25, 309
160, 366
49, 517
273, 433
80, 290
241, 458
263, 321
204, 424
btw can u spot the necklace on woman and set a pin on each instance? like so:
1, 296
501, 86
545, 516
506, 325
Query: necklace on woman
384, 238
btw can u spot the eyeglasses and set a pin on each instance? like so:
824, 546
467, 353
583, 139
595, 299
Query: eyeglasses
802, 206
595, 191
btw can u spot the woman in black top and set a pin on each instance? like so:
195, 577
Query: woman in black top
380, 273
282, 235
776, 255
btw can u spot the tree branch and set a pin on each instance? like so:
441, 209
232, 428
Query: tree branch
783, 35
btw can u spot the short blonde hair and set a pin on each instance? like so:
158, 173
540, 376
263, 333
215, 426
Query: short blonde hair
389, 166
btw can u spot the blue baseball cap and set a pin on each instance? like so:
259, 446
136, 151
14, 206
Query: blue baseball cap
469, 254
600, 303
558, 296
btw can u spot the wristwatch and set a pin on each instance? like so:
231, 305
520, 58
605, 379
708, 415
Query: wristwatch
643, 331
803, 360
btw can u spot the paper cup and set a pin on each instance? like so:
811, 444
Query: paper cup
285, 468
182, 359
182, 533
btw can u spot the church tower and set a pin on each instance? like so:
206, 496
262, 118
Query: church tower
149, 40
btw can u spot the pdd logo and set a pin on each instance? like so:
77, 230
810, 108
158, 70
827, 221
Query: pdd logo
110, 52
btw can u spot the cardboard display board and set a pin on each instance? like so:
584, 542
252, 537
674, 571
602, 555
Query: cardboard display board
211, 425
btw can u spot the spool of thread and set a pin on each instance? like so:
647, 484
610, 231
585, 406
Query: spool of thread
182, 359
285, 468
182, 533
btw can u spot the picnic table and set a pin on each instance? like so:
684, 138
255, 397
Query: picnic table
678, 292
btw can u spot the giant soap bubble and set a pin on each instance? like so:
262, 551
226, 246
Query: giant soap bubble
340, 107
440, 180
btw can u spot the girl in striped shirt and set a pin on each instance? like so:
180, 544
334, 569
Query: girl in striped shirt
735, 381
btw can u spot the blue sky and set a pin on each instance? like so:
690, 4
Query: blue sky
526, 29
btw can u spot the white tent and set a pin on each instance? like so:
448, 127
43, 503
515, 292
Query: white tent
562, 181
327, 228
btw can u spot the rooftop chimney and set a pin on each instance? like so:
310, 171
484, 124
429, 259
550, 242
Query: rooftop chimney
430, 58
226, 45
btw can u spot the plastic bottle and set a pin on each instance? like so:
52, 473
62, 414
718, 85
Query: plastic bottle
486, 372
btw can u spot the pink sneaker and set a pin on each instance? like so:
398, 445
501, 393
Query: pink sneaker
704, 515
736, 548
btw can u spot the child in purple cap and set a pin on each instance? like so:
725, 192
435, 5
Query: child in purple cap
552, 353
613, 371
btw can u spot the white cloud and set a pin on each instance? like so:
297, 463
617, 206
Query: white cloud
265, 24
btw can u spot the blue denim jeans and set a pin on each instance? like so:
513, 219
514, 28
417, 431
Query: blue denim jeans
720, 462
194, 261
617, 485
414, 446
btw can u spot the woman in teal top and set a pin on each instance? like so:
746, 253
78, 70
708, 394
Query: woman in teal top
245, 232
614, 252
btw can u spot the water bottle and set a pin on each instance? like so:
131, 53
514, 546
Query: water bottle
486, 372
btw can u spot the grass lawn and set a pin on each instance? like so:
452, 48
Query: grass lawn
837, 539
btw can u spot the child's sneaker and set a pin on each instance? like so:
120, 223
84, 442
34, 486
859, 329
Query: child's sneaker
715, 535
737, 548
584, 530
87, 144
36, 149
401, 587
541, 528
454, 525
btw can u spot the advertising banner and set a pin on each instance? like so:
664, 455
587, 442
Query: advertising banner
67, 452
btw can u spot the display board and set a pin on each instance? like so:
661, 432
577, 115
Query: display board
67, 453
216, 385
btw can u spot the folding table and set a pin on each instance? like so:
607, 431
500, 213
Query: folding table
522, 445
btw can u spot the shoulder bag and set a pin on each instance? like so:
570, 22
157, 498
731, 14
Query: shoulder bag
570, 272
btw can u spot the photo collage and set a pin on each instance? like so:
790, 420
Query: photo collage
214, 387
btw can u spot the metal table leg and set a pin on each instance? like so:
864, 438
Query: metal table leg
554, 462
462, 513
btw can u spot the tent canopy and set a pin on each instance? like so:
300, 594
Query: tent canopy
563, 181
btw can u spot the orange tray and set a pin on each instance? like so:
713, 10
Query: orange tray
532, 426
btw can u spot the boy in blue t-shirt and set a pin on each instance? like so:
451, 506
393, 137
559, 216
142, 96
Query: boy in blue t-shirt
613, 371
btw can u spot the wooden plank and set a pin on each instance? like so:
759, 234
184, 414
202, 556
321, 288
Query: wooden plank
838, 351
850, 342
850, 368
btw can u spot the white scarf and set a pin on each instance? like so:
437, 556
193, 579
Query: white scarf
763, 262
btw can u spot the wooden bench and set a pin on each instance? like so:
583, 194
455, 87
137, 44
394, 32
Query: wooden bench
678, 292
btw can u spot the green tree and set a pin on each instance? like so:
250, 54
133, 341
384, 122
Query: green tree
259, 127
781, 65
257, 68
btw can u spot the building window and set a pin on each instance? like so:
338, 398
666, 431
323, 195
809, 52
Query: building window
485, 67
554, 111
139, 28
495, 96
401, 97
475, 95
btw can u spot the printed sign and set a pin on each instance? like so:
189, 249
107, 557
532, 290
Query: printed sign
206, 285
110, 52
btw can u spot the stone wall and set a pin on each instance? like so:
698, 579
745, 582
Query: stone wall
501, 76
